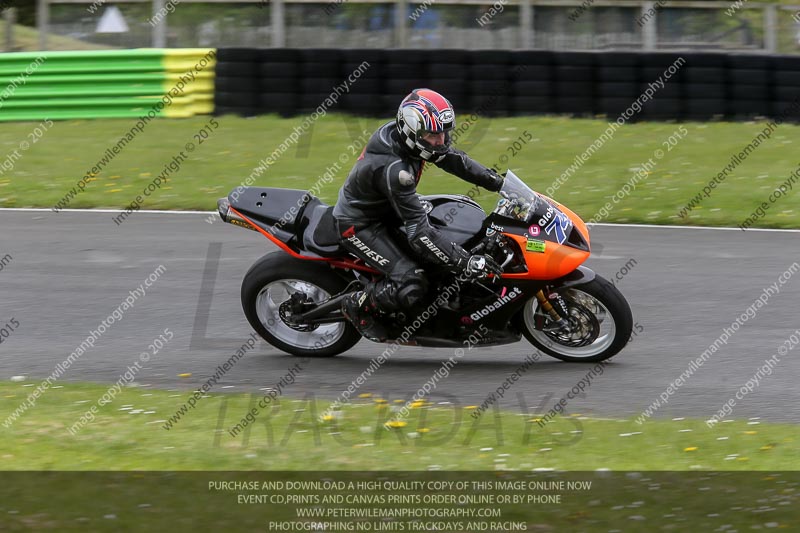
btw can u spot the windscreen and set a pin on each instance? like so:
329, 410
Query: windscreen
517, 200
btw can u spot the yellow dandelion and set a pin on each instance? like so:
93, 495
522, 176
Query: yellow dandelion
423, 430
690, 449
471, 407
767, 447
185, 375
365, 395
327, 418
535, 420
750, 432
399, 401
115, 190
380, 400
742, 459
395, 424
416, 405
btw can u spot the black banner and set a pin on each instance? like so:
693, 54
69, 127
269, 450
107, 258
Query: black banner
453, 502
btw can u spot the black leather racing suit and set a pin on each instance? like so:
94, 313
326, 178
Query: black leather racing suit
381, 189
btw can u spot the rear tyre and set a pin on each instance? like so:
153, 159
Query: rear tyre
266, 290
601, 319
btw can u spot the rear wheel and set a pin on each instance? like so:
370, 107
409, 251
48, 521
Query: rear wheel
600, 323
277, 282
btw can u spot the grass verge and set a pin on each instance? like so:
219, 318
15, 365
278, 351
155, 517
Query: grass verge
68, 150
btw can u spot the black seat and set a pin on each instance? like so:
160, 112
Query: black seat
271, 206
320, 236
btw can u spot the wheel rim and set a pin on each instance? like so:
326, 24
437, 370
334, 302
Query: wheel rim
268, 303
606, 323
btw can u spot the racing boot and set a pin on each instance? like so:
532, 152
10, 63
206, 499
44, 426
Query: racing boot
362, 312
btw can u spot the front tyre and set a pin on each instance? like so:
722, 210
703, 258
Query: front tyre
267, 289
600, 323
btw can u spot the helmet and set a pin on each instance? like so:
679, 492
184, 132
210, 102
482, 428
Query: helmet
425, 111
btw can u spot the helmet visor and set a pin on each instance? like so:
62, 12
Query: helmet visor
436, 143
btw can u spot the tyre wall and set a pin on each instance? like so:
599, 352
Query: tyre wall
696, 86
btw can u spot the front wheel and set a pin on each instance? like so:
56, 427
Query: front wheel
268, 290
599, 323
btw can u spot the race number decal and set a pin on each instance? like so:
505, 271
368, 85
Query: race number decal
560, 224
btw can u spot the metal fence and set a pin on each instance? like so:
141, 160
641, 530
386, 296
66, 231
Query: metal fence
465, 24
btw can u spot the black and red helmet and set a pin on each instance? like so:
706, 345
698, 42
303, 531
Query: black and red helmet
425, 111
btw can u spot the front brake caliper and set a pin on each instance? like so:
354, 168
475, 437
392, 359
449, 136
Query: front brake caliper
561, 303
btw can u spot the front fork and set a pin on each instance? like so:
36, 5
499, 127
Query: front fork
579, 276
558, 321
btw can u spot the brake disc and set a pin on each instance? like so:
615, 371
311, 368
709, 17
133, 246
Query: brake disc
582, 328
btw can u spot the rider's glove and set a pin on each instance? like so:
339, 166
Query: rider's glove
480, 266
493, 181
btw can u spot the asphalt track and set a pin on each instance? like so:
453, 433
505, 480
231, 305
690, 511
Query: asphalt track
70, 270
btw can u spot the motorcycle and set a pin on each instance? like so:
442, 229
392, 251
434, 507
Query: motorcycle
292, 297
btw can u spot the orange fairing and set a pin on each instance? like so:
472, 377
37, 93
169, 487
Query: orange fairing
557, 259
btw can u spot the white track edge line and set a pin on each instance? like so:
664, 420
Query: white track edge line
173, 212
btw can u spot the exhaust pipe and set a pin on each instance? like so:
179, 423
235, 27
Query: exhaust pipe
227, 215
